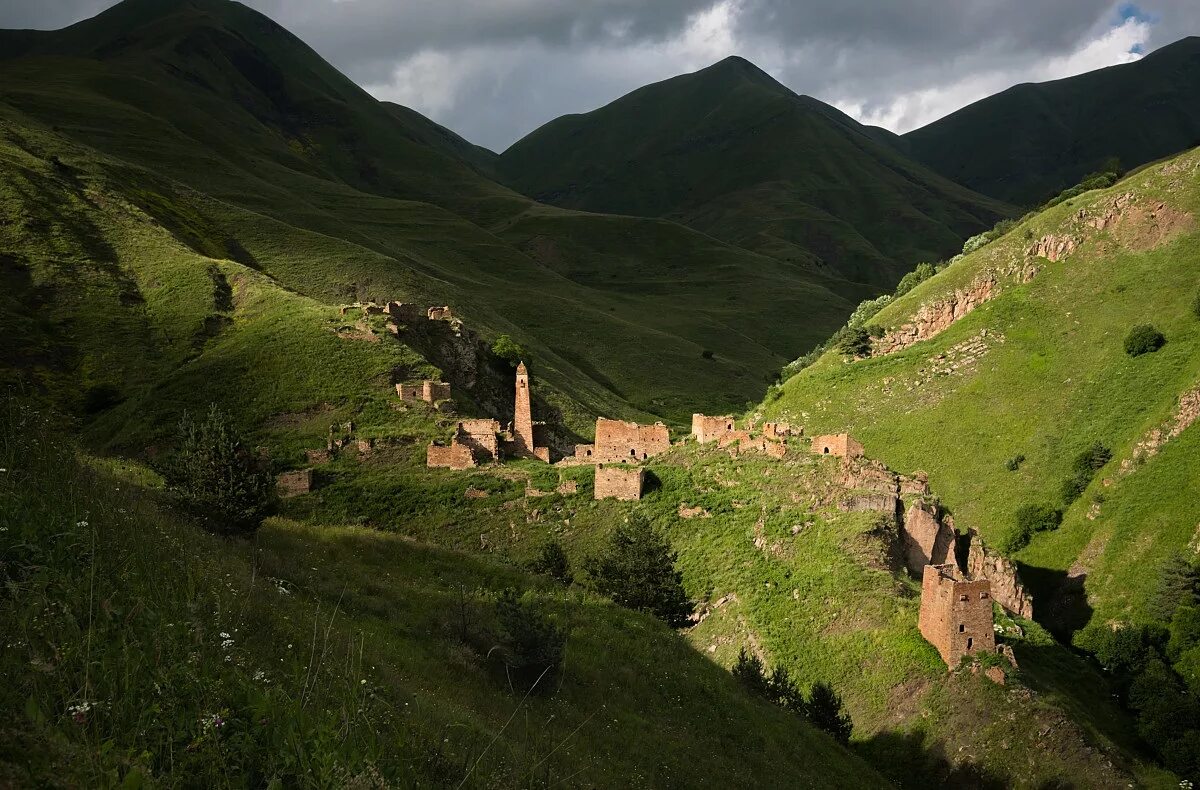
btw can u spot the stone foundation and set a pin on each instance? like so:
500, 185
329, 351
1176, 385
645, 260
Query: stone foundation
290, 484
615, 482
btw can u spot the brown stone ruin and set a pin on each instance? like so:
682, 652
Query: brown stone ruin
427, 391
523, 444
618, 482
452, 456
775, 430
1007, 589
443, 313
290, 484
709, 429
926, 538
840, 445
956, 613
625, 442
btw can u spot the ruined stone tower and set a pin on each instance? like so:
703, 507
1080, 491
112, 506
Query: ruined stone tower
956, 613
523, 414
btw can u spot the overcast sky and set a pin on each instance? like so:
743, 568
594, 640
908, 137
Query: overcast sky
493, 70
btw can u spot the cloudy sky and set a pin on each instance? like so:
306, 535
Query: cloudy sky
493, 70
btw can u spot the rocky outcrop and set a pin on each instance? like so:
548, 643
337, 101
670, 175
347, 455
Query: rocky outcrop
926, 539
1007, 589
934, 318
1186, 413
881, 503
1053, 247
867, 475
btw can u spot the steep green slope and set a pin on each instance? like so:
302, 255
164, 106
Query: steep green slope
731, 152
1038, 372
1026, 144
210, 111
139, 650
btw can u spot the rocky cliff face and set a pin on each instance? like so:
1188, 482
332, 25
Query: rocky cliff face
926, 538
1007, 589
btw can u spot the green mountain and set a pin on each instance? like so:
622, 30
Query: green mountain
231, 131
1026, 144
997, 402
732, 153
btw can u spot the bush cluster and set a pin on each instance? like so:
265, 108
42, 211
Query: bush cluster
508, 349
637, 570
1014, 463
1028, 521
1083, 469
552, 561
213, 477
1156, 668
531, 644
822, 708
1143, 339
1102, 179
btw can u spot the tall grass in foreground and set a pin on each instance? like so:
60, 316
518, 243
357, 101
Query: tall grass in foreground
135, 646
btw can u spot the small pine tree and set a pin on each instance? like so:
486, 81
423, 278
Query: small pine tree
855, 341
784, 692
213, 477
637, 570
533, 645
1178, 585
552, 561
1196, 305
750, 672
824, 709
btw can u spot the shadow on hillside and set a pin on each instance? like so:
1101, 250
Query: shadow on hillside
907, 760
1061, 604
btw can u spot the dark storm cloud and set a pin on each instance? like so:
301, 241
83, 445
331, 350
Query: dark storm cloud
495, 69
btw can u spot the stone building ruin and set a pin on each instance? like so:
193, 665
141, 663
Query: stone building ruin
290, 484
841, 445
708, 429
956, 613
427, 391
619, 482
452, 456
624, 442
523, 443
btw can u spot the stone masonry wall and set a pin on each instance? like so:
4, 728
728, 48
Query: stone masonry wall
481, 436
707, 429
452, 456
618, 441
839, 444
290, 484
956, 615
615, 482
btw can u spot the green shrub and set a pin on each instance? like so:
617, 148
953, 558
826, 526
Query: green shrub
637, 570
213, 477
751, 673
1014, 463
824, 709
1184, 630
867, 310
1196, 305
1083, 469
1178, 585
914, 278
1123, 651
552, 561
508, 349
855, 341
532, 644
1143, 339
1029, 520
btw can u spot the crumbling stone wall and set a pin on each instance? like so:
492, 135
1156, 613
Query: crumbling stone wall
290, 484
709, 429
1007, 589
732, 437
405, 312
616, 482
452, 456
618, 441
427, 390
442, 313
841, 445
956, 615
776, 430
585, 452
481, 436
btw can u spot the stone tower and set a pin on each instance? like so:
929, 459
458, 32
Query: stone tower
956, 613
523, 414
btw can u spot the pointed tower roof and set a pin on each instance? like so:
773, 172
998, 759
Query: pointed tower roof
522, 370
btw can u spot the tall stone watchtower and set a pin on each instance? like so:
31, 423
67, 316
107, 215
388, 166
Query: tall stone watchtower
956, 614
523, 414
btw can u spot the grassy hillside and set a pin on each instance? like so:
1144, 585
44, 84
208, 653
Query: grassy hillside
139, 649
1039, 373
241, 141
1029, 142
731, 152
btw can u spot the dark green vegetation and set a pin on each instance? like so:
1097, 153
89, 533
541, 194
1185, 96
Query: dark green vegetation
731, 152
136, 647
1143, 339
216, 479
236, 138
823, 706
1029, 142
637, 570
